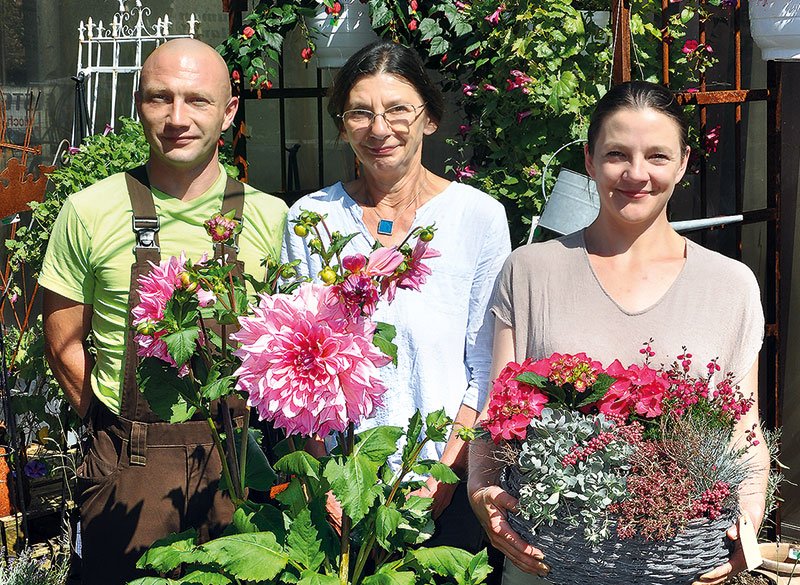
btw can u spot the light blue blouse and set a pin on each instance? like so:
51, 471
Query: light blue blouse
444, 333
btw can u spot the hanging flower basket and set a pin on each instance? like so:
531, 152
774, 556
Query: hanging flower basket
343, 30
775, 26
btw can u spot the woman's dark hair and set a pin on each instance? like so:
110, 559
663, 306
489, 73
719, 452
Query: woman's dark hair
384, 57
638, 95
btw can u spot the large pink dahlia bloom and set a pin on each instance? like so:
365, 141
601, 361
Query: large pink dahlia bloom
307, 365
155, 289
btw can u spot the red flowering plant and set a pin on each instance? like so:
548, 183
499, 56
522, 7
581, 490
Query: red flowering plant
617, 452
306, 356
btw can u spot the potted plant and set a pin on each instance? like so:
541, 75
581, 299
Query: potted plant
775, 26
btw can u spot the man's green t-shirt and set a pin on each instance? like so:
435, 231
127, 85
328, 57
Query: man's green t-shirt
90, 253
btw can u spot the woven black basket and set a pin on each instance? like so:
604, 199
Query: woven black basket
702, 546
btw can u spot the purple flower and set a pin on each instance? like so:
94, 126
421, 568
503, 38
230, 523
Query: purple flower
107, 130
462, 130
469, 90
494, 17
729, 3
522, 115
73, 150
489, 87
35, 469
13, 298
465, 173
518, 79
712, 139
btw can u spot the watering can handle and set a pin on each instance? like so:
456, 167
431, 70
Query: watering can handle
547, 165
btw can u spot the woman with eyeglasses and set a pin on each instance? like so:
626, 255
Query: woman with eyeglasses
384, 105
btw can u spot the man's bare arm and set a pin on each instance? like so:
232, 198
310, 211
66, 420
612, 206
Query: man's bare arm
66, 327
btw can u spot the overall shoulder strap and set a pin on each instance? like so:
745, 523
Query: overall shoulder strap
145, 221
233, 199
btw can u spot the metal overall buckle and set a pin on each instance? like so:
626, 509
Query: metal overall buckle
145, 230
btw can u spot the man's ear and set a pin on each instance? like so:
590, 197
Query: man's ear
230, 111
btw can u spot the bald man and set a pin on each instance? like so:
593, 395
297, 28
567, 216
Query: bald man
142, 478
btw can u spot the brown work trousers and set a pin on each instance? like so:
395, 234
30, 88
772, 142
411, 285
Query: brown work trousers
124, 507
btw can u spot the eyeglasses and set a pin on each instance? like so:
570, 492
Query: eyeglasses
400, 116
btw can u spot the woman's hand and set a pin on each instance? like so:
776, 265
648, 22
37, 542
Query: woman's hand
735, 565
491, 505
442, 494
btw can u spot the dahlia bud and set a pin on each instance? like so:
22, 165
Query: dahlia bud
306, 54
222, 228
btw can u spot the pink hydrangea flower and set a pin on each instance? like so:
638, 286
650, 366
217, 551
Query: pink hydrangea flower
307, 365
513, 404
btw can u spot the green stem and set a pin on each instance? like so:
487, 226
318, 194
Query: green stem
302, 480
347, 523
233, 462
226, 472
243, 452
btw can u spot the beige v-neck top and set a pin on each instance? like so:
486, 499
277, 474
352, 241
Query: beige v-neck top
549, 293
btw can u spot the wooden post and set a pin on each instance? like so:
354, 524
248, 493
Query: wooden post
621, 29
234, 8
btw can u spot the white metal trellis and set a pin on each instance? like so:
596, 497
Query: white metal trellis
97, 66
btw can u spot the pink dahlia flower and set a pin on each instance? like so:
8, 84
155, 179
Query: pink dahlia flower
384, 261
155, 289
358, 293
415, 275
307, 365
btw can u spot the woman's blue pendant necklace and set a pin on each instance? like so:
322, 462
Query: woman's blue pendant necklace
385, 226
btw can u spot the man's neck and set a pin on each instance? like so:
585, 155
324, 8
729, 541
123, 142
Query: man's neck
184, 183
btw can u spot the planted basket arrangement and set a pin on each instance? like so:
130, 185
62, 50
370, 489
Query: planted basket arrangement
622, 474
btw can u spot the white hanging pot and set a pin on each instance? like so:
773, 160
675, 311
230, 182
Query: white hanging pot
339, 38
775, 26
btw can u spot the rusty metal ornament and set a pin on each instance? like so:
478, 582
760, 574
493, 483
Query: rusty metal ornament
18, 188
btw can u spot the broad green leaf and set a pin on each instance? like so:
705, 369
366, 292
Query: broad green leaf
314, 578
182, 343
598, 390
353, 484
412, 435
201, 577
382, 339
532, 379
377, 443
162, 388
478, 568
171, 551
446, 561
438, 46
436, 424
387, 520
260, 475
303, 542
250, 557
299, 463
153, 581
292, 497
429, 28
390, 577
252, 517
218, 388
380, 13
437, 469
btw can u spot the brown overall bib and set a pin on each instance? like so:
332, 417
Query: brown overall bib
142, 478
